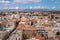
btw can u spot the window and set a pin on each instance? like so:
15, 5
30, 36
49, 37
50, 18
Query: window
56, 17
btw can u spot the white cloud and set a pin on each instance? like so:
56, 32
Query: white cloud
30, 7
53, 7
17, 7
14, 7
3, 1
25, 1
35, 7
34, 0
9, 7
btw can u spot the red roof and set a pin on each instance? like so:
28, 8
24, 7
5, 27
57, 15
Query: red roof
20, 26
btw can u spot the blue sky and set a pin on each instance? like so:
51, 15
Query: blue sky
29, 4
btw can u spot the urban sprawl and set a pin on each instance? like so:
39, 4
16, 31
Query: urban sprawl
29, 25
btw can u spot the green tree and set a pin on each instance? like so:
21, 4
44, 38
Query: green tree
58, 33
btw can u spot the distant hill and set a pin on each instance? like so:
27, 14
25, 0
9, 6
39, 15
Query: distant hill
29, 10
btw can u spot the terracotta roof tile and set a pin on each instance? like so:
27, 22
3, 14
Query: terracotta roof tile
20, 26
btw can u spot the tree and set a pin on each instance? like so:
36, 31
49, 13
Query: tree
58, 33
